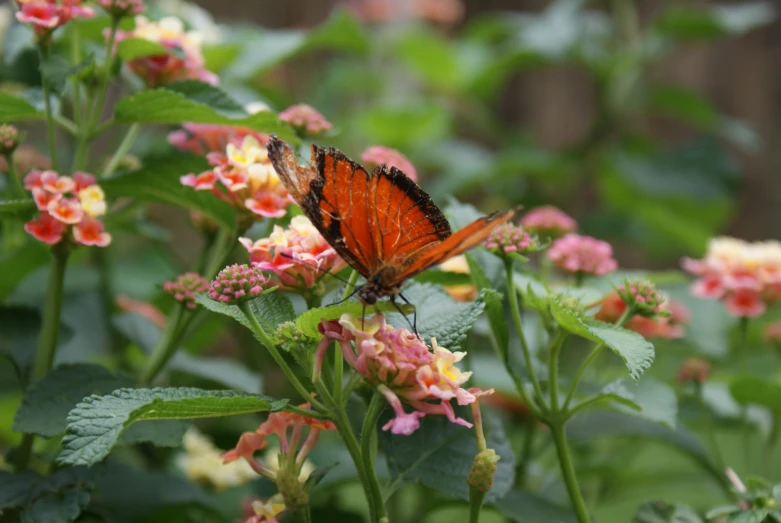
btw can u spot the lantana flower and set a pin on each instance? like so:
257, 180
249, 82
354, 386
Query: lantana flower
510, 239
298, 256
668, 325
244, 177
237, 283
306, 120
204, 138
402, 368
185, 286
47, 15
183, 59
259, 511
202, 462
694, 370
122, 8
745, 276
379, 155
548, 221
578, 254
69, 208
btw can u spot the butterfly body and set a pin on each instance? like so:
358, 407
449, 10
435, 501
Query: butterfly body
382, 223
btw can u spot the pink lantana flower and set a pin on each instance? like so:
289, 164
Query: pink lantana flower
122, 8
185, 286
183, 59
244, 177
306, 120
745, 276
378, 155
548, 221
298, 256
578, 254
67, 205
47, 15
402, 368
508, 239
202, 138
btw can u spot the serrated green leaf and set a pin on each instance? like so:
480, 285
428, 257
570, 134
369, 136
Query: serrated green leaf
57, 70
523, 506
661, 512
438, 315
95, 425
14, 488
636, 351
649, 399
132, 48
270, 309
760, 391
17, 208
197, 102
307, 323
440, 453
158, 181
59, 497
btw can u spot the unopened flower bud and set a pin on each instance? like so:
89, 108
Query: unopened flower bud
481, 475
694, 370
508, 238
237, 283
10, 138
184, 288
306, 120
643, 297
548, 221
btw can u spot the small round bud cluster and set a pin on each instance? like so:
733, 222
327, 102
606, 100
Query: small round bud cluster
643, 296
293, 492
481, 475
236, 283
549, 221
508, 238
694, 370
306, 119
185, 286
10, 138
122, 8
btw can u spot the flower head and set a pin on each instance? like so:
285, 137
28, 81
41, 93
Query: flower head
548, 221
694, 370
237, 283
298, 256
182, 60
643, 297
10, 138
260, 511
668, 325
306, 120
508, 238
202, 461
402, 368
574, 253
745, 276
122, 8
378, 155
185, 286
481, 475
47, 15
72, 202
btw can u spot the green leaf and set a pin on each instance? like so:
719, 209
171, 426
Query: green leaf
132, 48
198, 102
307, 323
17, 208
58, 70
60, 497
523, 506
270, 309
636, 351
17, 263
62, 506
690, 23
649, 399
14, 488
431, 56
18, 107
661, 512
20, 328
158, 181
95, 425
438, 315
760, 391
440, 453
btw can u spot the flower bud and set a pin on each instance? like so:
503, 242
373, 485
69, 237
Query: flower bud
643, 297
694, 370
237, 283
306, 120
292, 490
481, 475
548, 221
10, 138
508, 238
184, 287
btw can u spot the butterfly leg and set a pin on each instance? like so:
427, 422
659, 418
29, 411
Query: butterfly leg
414, 323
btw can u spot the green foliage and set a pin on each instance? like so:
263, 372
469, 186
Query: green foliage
27, 105
270, 309
757, 390
307, 322
60, 497
58, 70
661, 512
132, 48
95, 425
523, 506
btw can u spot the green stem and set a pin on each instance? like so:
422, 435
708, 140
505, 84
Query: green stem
43, 53
220, 252
475, 504
353, 382
165, 347
742, 349
272, 349
66, 124
568, 472
47, 343
516, 313
75, 59
303, 514
97, 108
709, 427
771, 445
338, 359
369, 450
123, 149
553, 369
16, 182
526, 451
628, 313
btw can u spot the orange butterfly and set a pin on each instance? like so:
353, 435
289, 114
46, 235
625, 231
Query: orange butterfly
382, 223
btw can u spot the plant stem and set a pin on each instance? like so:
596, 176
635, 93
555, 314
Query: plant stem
516, 313
475, 504
568, 472
16, 182
75, 58
50, 328
272, 349
710, 428
369, 448
303, 514
122, 150
220, 252
97, 108
165, 347
526, 451
338, 359
742, 349
553, 369
43, 53
771, 445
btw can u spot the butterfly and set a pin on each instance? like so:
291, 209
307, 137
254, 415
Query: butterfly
381, 223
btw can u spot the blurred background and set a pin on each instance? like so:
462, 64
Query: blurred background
653, 122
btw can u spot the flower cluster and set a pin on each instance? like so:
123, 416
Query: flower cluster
401, 367
578, 254
508, 238
204, 138
185, 286
444, 12
548, 221
244, 177
288, 427
306, 120
202, 461
182, 60
122, 8
298, 256
259, 511
67, 205
10, 138
47, 15
694, 370
668, 323
643, 297
379, 155
236, 283
745, 276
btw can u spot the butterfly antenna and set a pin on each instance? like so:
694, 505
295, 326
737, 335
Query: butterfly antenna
414, 323
363, 315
